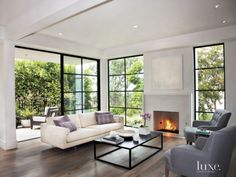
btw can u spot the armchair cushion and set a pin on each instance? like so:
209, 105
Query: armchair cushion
200, 142
197, 123
219, 120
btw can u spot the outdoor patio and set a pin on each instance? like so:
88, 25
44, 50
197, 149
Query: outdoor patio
23, 134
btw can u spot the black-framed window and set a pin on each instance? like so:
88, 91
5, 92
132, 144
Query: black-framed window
125, 88
79, 82
209, 72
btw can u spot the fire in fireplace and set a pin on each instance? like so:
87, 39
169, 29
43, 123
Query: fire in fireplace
166, 121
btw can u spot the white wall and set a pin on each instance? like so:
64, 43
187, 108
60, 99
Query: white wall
170, 100
7, 96
186, 53
175, 100
104, 84
230, 68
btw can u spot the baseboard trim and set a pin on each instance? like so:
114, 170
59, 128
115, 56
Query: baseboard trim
7, 145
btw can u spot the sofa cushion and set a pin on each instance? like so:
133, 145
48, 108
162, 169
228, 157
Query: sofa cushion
73, 117
82, 133
104, 117
65, 122
107, 127
87, 119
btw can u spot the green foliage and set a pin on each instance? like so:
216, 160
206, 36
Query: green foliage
87, 87
210, 79
37, 86
134, 82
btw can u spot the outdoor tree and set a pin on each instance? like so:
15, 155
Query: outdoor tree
133, 80
210, 61
37, 86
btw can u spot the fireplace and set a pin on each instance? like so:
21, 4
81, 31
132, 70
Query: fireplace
166, 121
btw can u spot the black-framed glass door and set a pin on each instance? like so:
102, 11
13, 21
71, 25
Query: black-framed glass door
81, 84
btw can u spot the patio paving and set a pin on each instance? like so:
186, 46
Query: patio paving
23, 134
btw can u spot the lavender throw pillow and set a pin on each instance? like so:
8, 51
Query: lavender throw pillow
104, 117
65, 122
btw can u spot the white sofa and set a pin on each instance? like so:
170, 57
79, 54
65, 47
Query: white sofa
87, 130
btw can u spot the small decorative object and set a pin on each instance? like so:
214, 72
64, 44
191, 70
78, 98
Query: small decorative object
135, 138
143, 130
113, 133
126, 133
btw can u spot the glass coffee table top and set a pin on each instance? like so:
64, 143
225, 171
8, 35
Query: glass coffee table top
129, 144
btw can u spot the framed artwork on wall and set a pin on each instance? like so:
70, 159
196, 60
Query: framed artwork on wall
167, 72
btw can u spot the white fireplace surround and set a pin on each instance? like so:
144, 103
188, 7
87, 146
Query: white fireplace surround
181, 103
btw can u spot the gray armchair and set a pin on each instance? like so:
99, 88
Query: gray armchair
210, 157
219, 120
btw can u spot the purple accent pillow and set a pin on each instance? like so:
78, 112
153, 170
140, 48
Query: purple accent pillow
65, 122
104, 117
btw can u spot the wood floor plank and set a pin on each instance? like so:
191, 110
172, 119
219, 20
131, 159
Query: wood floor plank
36, 159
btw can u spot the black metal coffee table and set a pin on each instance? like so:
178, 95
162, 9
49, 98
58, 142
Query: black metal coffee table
130, 146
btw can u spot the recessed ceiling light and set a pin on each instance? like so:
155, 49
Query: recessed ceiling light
60, 34
217, 6
135, 26
223, 21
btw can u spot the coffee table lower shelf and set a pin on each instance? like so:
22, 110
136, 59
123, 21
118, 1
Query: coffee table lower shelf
131, 163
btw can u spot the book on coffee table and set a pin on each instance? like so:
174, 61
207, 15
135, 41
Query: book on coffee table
113, 139
203, 132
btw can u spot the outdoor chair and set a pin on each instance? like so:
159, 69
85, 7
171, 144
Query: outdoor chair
49, 112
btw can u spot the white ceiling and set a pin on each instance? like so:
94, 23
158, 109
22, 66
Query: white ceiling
10, 9
111, 25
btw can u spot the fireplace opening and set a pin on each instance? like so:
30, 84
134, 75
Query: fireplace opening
166, 121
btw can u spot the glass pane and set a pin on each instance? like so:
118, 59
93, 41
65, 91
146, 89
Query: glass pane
209, 101
116, 66
72, 83
89, 110
134, 65
90, 100
210, 79
211, 56
72, 101
73, 112
72, 65
117, 83
134, 99
89, 67
133, 117
117, 99
135, 82
204, 116
90, 83
118, 111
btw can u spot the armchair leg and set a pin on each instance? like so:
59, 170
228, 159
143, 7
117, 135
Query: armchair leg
31, 123
166, 172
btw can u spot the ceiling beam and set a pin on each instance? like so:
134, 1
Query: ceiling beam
47, 13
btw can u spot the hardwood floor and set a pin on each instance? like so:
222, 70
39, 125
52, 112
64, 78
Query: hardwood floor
36, 159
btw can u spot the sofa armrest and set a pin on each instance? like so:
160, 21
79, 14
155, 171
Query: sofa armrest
54, 135
118, 119
197, 123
